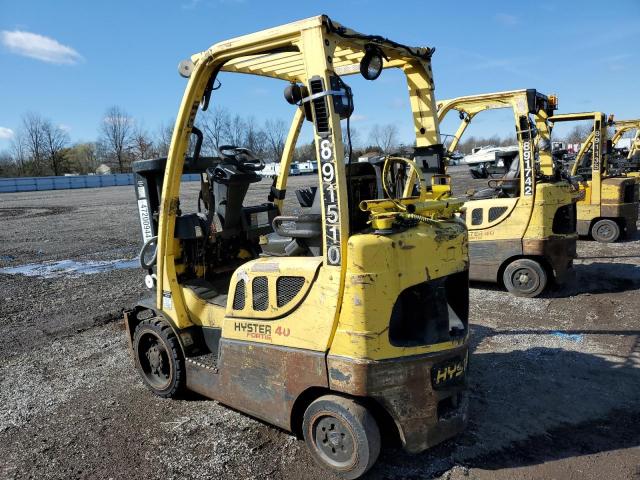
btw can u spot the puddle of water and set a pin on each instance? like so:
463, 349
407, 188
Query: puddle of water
7, 258
70, 268
568, 336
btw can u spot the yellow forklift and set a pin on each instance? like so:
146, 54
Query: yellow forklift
626, 161
608, 206
344, 323
522, 226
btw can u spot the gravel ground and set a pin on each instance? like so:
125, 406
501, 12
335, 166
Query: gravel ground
555, 381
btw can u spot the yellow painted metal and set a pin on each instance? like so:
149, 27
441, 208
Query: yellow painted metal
335, 311
287, 154
378, 269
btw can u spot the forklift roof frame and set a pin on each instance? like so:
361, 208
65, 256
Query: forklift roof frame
598, 139
297, 52
523, 103
624, 126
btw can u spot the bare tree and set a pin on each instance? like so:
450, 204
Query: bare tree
8, 166
385, 137
19, 151
163, 139
116, 136
276, 134
215, 126
142, 145
355, 140
578, 134
56, 140
34, 138
236, 131
255, 139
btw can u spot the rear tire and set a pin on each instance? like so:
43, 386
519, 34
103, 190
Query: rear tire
525, 277
342, 436
158, 358
605, 231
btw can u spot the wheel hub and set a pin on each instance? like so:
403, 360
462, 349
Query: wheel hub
155, 359
525, 280
334, 441
605, 231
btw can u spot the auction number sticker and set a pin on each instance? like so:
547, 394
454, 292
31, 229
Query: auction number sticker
595, 161
330, 199
528, 168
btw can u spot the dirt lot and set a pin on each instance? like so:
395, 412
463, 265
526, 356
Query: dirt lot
555, 381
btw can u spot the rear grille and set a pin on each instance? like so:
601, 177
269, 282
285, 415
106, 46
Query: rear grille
564, 221
287, 288
320, 106
476, 216
239, 296
260, 291
496, 212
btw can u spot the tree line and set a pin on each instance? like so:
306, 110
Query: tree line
41, 147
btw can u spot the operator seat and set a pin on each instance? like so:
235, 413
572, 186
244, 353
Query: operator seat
505, 186
297, 235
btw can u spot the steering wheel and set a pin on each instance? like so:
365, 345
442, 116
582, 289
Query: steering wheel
399, 176
243, 157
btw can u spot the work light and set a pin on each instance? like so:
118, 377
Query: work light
371, 63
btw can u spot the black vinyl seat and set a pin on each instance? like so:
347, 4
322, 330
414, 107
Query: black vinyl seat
507, 186
208, 291
299, 234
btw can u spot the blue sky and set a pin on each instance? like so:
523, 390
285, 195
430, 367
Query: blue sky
91, 55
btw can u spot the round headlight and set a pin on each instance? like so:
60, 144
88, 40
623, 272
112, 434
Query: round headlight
371, 63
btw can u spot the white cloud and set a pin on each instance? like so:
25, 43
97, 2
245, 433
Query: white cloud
6, 133
358, 118
39, 47
507, 19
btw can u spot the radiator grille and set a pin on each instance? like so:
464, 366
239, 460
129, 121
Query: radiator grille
260, 291
287, 288
476, 216
239, 296
496, 212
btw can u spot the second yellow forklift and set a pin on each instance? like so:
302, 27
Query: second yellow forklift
522, 226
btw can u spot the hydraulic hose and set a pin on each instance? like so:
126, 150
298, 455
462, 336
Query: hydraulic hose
143, 251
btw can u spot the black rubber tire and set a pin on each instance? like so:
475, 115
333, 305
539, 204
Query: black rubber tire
356, 433
605, 230
525, 277
157, 333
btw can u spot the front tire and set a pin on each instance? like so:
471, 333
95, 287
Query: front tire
158, 358
525, 277
605, 231
341, 435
